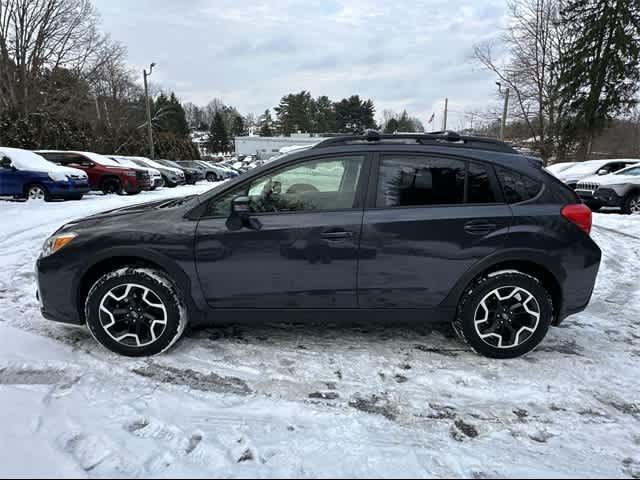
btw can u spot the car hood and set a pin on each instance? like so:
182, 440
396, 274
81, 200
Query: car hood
611, 179
157, 207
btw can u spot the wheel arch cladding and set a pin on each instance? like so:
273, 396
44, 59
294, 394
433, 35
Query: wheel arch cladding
542, 273
107, 264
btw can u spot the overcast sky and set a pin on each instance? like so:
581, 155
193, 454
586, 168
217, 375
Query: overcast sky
249, 53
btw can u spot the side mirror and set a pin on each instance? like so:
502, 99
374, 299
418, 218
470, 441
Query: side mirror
241, 215
603, 172
5, 163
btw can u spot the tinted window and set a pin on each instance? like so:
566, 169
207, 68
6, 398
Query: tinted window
327, 184
480, 189
414, 180
517, 187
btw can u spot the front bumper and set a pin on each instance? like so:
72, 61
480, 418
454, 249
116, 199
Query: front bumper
68, 189
602, 197
55, 292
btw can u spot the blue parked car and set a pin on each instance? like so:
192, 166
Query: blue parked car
23, 174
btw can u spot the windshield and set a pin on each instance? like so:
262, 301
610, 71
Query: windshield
170, 163
147, 162
126, 162
100, 160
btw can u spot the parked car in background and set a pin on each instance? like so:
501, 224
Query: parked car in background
581, 170
191, 175
210, 173
620, 189
156, 176
557, 168
421, 227
105, 175
224, 171
24, 174
172, 176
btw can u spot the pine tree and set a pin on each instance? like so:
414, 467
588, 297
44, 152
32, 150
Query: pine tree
238, 126
266, 124
218, 135
601, 69
295, 113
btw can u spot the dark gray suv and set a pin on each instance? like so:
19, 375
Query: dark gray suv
422, 228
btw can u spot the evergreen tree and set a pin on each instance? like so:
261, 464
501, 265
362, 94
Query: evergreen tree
392, 126
218, 135
265, 124
602, 67
239, 129
295, 113
325, 116
354, 115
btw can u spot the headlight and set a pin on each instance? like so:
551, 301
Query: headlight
55, 243
58, 176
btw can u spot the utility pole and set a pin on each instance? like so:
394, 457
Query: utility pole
446, 114
505, 111
146, 94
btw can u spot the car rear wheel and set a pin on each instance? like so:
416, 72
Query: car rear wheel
212, 177
504, 315
112, 186
631, 204
136, 312
38, 193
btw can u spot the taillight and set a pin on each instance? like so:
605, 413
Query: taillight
580, 215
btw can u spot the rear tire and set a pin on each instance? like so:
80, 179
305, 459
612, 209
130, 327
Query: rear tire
136, 312
631, 204
504, 315
111, 186
212, 177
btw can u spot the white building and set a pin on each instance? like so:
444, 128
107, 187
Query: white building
266, 147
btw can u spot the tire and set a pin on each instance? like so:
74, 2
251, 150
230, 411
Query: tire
148, 327
482, 300
109, 186
631, 204
37, 192
212, 177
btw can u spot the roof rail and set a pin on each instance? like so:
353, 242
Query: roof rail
448, 138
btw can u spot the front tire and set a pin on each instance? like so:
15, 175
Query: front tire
631, 204
504, 315
136, 312
212, 177
37, 192
112, 186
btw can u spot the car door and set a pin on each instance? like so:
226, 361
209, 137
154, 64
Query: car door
430, 220
303, 252
11, 179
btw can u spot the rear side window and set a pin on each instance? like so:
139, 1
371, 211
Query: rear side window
414, 180
517, 187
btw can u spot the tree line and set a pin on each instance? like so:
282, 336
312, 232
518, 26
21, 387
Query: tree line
297, 112
573, 70
65, 85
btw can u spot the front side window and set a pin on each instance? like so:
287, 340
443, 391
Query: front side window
318, 185
418, 181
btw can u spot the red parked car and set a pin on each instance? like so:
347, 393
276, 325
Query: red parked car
105, 175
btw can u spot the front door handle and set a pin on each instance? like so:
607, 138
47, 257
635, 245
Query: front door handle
480, 227
337, 235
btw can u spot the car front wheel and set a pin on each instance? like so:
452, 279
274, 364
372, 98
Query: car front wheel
631, 205
136, 312
504, 315
38, 193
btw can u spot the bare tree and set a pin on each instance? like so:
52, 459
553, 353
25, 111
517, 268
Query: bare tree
37, 36
534, 42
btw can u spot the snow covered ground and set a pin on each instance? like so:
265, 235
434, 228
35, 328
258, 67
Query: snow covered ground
298, 401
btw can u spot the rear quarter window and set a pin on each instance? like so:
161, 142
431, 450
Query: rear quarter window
518, 187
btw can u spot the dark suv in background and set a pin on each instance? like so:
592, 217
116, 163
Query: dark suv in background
105, 174
426, 228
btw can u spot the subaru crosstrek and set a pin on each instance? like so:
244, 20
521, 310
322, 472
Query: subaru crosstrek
24, 174
427, 228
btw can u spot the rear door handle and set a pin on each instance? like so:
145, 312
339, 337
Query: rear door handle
480, 228
337, 235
